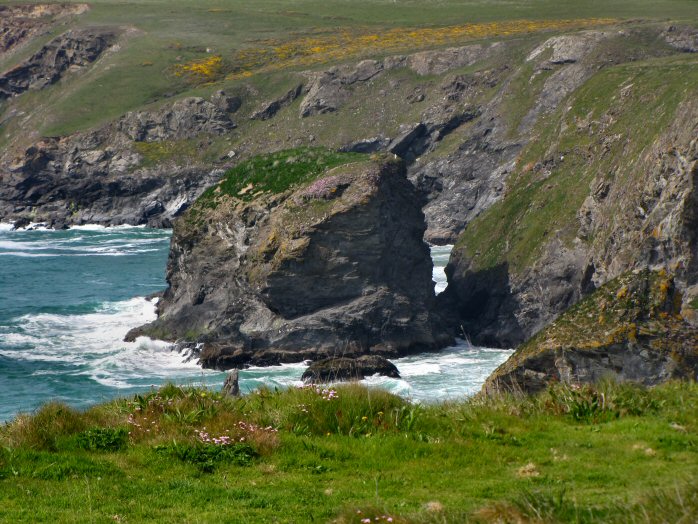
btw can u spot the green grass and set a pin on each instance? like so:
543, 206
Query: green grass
275, 173
307, 455
159, 34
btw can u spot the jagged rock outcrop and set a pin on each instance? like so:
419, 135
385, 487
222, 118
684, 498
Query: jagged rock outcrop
336, 267
270, 109
98, 177
683, 38
185, 118
346, 369
71, 50
329, 90
630, 329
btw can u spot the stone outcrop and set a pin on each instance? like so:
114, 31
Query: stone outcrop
630, 329
186, 118
71, 50
329, 90
99, 176
269, 109
347, 369
334, 268
683, 38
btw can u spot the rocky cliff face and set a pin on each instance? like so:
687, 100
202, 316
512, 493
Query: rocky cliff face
630, 329
20, 23
101, 177
332, 266
602, 193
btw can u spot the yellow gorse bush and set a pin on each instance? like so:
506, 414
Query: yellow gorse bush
306, 51
207, 69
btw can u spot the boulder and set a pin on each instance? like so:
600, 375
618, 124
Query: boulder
347, 369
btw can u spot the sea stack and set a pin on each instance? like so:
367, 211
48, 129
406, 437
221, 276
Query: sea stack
302, 254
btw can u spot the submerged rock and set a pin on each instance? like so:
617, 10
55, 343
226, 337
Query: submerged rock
343, 369
285, 261
630, 329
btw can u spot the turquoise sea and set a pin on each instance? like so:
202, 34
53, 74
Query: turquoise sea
67, 298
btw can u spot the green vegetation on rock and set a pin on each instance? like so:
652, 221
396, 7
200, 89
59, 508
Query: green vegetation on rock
629, 329
349, 453
275, 173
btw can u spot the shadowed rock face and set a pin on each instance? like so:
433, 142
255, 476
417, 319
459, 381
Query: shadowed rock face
637, 211
337, 267
630, 329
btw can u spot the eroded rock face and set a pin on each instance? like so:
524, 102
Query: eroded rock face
73, 49
630, 329
337, 267
683, 38
639, 212
347, 369
20, 23
99, 177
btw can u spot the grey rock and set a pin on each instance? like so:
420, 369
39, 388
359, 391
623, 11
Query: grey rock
96, 177
347, 369
329, 90
185, 118
367, 145
627, 331
76, 48
260, 288
231, 386
683, 38
271, 108
225, 103
440, 61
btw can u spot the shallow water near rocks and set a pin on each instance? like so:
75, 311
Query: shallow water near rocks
67, 299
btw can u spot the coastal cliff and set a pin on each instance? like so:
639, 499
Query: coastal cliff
290, 258
598, 193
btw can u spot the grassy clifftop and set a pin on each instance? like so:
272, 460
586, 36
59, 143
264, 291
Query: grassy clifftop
347, 454
214, 38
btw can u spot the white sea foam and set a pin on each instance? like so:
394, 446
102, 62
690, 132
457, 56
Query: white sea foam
94, 342
440, 256
99, 227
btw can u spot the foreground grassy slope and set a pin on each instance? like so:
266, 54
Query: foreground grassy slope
350, 453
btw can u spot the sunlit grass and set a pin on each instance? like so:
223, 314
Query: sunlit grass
348, 453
